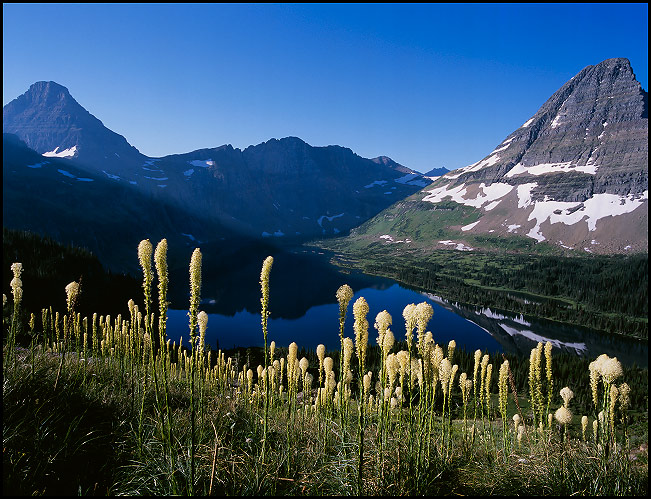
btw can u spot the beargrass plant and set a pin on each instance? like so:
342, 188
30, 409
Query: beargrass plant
128, 413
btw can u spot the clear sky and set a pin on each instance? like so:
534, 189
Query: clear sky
428, 85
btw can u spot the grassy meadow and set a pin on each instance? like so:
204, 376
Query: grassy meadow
107, 405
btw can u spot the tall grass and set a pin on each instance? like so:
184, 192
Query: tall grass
108, 406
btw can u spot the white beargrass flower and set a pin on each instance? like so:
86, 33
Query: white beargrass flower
360, 310
327, 365
451, 346
409, 314
304, 364
611, 369
72, 290
566, 395
344, 295
387, 342
382, 323
445, 370
563, 415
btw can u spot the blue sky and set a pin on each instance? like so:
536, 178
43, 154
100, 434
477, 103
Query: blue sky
427, 85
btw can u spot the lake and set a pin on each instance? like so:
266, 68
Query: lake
304, 309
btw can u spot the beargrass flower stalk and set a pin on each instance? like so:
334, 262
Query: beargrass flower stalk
594, 382
193, 312
520, 431
465, 385
445, 370
482, 389
503, 396
17, 292
516, 422
608, 370
487, 386
478, 358
614, 395
423, 313
451, 347
320, 353
360, 326
548, 373
160, 262
264, 302
624, 401
564, 416
144, 257
382, 322
535, 385
344, 295
595, 430
584, 426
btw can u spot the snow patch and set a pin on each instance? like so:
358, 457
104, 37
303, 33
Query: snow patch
390, 239
66, 153
110, 175
202, 163
411, 179
320, 219
543, 168
469, 226
488, 194
529, 122
374, 183
594, 209
458, 246
37, 165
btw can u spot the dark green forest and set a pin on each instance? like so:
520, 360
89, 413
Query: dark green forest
49, 266
607, 293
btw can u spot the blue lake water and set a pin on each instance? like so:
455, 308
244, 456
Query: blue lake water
304, 309
320, 324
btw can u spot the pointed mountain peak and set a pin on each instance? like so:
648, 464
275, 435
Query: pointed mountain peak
50, 121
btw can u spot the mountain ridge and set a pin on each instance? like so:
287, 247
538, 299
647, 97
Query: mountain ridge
283, 190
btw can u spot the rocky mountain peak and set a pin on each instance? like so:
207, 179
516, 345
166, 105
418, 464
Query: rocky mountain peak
574, 175
50, 121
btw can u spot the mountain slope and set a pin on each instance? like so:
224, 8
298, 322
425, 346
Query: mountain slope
574, 176
52, 196
280, 189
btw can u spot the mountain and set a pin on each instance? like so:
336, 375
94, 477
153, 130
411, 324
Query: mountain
68, 176
574, 177
55, 197
51, 122
436, 172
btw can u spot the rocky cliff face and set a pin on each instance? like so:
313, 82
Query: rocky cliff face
574, 175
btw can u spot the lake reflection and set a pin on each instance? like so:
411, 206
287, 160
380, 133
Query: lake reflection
304, 309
